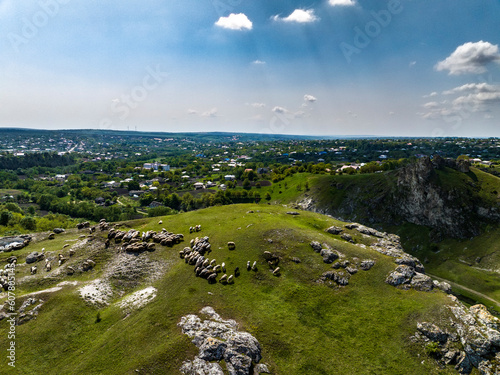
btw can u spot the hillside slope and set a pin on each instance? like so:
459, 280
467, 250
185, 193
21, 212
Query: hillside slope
446, 215
306, 319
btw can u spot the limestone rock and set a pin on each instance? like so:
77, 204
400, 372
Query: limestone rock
432, 332
32, 258
260, 369
200, 367
395, 279
369, 231
316, 246
347, 237
366, 265
328, 256
334, 230
444, 286
421, 282
410, 261
476, 330
219, 339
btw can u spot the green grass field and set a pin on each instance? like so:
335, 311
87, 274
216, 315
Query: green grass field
303, 327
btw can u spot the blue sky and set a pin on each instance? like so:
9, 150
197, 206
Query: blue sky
329, 67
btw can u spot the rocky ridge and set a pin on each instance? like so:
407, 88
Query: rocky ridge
471, 339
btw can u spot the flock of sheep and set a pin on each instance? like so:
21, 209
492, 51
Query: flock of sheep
196, 255
203, 266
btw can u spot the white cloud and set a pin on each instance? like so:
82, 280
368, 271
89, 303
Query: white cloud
258, 105
258, 62
470, 58
210, 113
431, 105
235, 22
470, 98
342, 2
299, 16
412, 64
434, 93
192, 111
478, 101
473, 87
309, 98
279, 110
299, 114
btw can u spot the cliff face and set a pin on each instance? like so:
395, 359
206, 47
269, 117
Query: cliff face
442, 194
444, 202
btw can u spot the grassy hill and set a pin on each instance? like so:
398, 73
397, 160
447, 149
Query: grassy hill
375, 200
303, 326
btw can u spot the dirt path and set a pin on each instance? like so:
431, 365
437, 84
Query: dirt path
472, 291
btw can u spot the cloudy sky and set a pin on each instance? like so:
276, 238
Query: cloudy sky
327, 67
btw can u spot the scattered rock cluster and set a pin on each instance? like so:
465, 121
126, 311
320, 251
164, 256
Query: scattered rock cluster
410, 272
471, 341
28, 310
329, 255
218, 340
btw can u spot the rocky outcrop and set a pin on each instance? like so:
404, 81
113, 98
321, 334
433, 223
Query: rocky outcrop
329, 255
14, 243
217, 340
472, 340
28, 310
34, 257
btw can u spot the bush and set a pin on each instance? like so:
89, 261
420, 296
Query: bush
160, 211
432, 349
5, 217
28, 223
13, 207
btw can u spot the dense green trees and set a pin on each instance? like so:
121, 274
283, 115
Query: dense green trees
43, 159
